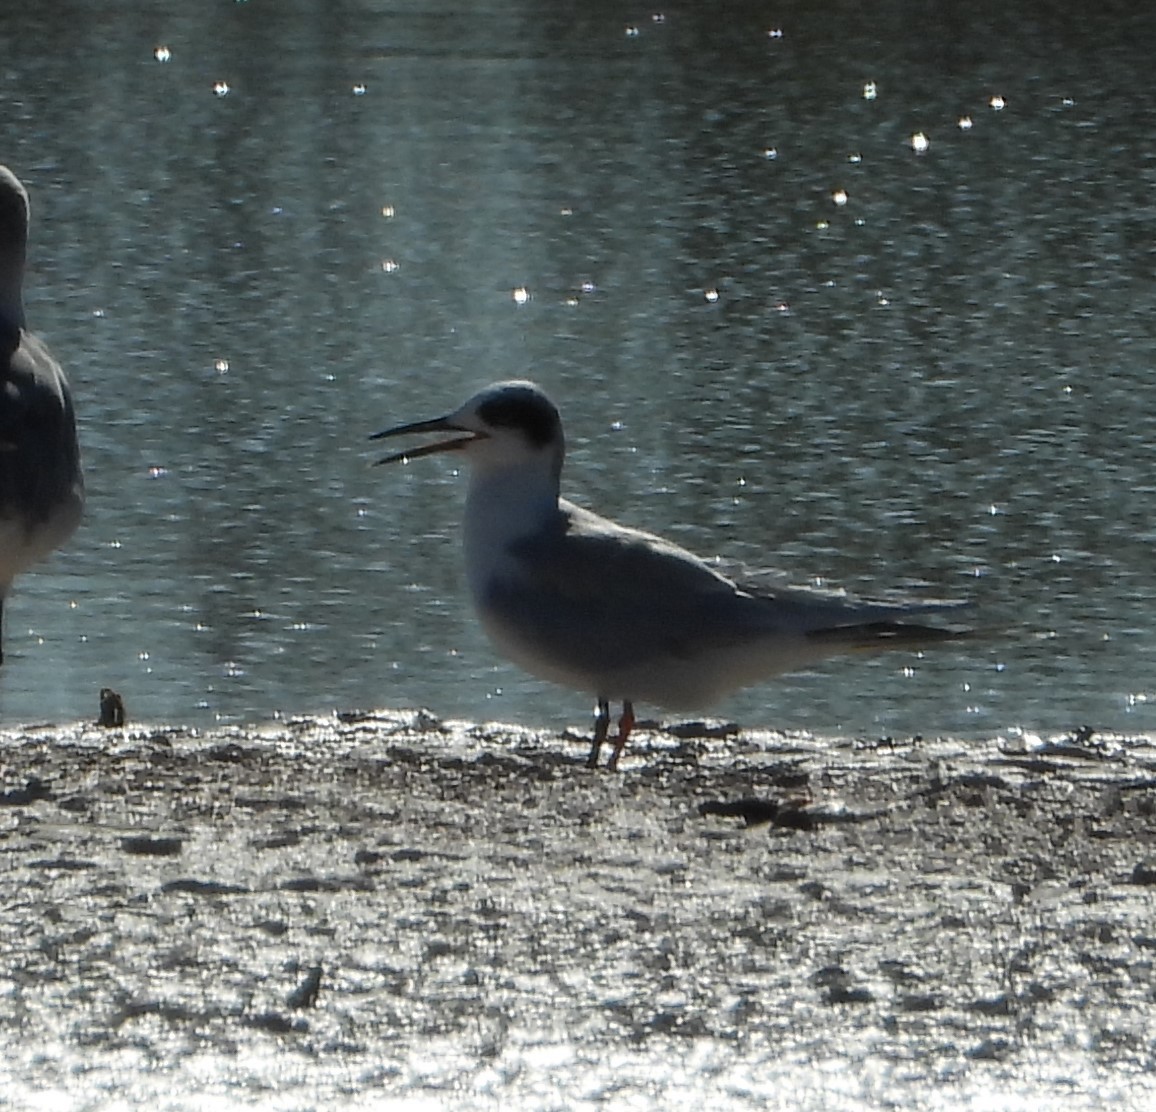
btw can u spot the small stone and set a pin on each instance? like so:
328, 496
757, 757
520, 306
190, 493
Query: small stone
33, 791
306, 993
112, 714
145, 845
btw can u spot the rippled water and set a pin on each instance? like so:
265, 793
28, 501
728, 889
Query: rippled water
869, 299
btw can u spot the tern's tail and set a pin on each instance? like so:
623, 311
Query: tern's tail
886, 635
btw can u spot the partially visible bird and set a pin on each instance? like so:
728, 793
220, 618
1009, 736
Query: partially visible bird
621, 614
41, 486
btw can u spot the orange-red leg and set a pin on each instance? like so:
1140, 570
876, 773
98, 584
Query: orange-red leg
625, 725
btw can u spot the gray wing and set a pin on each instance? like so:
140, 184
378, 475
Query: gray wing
607, 596
39, 456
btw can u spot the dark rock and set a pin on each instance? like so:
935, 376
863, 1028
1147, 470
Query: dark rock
112, 713
277, 1024
32, 792
203, 887
145, 845
306, 993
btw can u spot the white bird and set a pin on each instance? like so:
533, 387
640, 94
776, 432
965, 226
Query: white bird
41, 487
623, 615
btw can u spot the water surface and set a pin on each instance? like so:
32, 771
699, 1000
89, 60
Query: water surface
863, 294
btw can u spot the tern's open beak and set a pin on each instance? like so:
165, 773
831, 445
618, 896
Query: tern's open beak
438, 424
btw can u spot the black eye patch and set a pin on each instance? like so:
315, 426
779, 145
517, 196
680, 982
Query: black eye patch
526, 410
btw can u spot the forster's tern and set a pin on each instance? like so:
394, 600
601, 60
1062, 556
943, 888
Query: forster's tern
623, 615
41, 488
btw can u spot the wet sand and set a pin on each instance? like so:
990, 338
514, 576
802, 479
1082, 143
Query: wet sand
385, 910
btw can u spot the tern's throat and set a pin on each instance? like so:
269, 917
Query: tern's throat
11, 304
504, 505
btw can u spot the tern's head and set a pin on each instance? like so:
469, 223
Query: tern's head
13, 213
13, 243
508, 424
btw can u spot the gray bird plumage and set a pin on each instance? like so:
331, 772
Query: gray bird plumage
41, 486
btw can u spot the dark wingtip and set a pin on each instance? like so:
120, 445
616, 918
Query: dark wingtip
888, 635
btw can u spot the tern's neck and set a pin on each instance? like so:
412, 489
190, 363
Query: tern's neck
503, 504
11, 304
